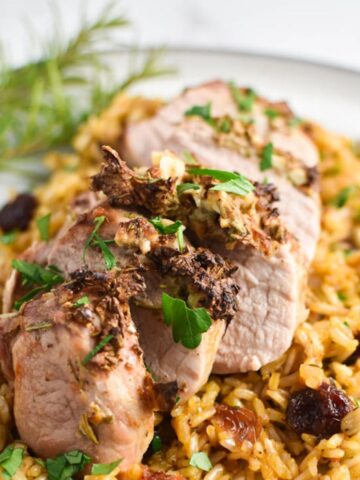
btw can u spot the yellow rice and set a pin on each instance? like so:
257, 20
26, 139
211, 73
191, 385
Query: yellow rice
333, 300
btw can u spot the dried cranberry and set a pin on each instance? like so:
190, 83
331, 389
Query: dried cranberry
318, 412
239, 423
16, 215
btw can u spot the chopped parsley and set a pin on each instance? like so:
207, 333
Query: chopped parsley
271, 113
8, 238
203, 111
43, 225
32, 274
244, 101
176, 227
10, 461
94, 240
104, 468
184, 187
341, 296
230, 182
97, 349
266, 157
156, 443
81, 301
347, 324
201, 460
187, 323
65, 466
342, 198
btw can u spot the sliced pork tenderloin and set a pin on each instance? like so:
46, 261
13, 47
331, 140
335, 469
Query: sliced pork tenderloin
201, 278
247, 229
239, 147
68, 396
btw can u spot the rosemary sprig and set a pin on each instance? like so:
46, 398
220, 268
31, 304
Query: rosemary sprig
39, 108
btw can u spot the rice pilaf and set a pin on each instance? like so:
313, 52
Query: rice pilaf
318, 352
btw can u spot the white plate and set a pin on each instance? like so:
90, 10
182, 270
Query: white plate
328, 95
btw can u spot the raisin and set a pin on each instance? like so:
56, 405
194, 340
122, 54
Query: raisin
318, 412
240, 423
148, 474
16, 215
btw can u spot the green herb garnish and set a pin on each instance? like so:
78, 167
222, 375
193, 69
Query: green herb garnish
244, 101
97, 349
341, 296
32, 274
176, 227
104, 468
231, 182
156, 443
10, 461
65, 466
8, 238
342, 198
39, 326
187, 323
203, 111
347, 324
43, 225
266, 157
271, 113
201, 460
39, 105
94, 240
184, 187
81, 301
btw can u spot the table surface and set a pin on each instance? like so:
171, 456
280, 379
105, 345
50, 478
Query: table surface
325, 31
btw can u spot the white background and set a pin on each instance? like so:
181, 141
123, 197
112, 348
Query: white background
319, 30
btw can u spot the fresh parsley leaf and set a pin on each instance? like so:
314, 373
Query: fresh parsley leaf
357, 403
189, 158
81, 301
266, 157
244, 101
221, 175
156, 443
8, 238
347, 324
203, 111
65, 466
187, 323
241, 186
342, 198
97, 349
184, 187
94, 240
231, 182
104, 468
10, 460
43, 279
271, 113
201, 460
176, 227
43, 225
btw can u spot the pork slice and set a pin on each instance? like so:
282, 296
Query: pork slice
104, 407
269, 308
193, 272
246, 229
169, 129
